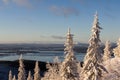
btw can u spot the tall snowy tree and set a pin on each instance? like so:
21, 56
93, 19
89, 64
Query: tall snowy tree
92, 69
107, 51
14, 78
69, 69
29, 76
21, 74
37, 72
116, 50
10, 75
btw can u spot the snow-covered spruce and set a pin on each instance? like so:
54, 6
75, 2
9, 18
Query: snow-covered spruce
14, 78
10, 75
116, 51
107, 51
29, 76
92, 69
68, 68
53, 71
21, 74
37, 72
48, 74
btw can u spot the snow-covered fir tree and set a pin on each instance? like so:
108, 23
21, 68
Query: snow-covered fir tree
14, 78
37, 72
21, 74
116, 50
53, 70
47, 75
10, 75
29, 76
92, 69
52, 73
107, 51
69, 69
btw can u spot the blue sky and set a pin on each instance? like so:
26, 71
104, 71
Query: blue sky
48, 20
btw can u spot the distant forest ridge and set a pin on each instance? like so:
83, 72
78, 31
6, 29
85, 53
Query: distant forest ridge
35, 48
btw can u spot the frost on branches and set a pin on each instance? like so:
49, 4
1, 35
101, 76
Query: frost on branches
37, 72
68, 69
116, 51
107, 51
21, 74
92, 69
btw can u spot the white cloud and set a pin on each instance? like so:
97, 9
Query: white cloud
6, 1
65, 11
25, 3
